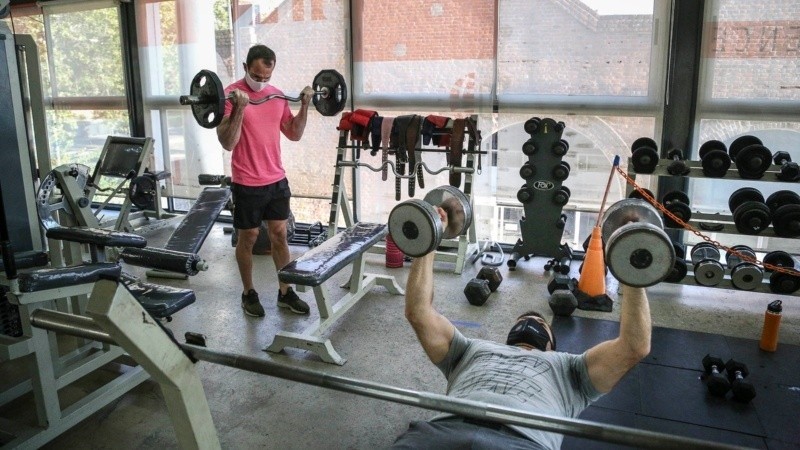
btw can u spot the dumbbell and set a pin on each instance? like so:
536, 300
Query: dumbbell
714, 158
493, 275
752, 161
560, 171
561, 196
745, 275
680, 268
779, 282
785, 208
743, 391
477, 291
716, 383
676, 202
637, 250
561, 282
562, 302
678, 166
636, 194
527, 171
644, 155
790, 170
750, 213
525, 194
416, 227
560, 148
708, 271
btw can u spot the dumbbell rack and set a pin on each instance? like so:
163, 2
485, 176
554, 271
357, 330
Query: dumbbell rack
541, 236
465, 245
716, 223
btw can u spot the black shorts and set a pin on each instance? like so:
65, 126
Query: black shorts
254, 204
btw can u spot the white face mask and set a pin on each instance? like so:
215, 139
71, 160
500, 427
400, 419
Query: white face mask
256, 86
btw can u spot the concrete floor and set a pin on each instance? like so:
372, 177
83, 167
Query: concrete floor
255, 411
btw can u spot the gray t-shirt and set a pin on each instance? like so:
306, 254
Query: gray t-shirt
551, 383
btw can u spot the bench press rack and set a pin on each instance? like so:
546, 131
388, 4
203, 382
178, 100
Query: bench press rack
466, 245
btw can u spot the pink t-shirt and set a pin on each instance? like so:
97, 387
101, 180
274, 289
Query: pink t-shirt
256, 159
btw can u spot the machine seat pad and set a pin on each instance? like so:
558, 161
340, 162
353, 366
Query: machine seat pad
158, 300
97, 236
320, 263
28, 260
43, 279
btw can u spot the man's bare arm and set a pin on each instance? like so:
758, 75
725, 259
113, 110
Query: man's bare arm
230, 128
433, 330
609, 361
293, 129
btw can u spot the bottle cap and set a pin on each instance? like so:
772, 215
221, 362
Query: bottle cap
775, 306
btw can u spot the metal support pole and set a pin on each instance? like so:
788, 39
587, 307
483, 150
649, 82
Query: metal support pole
575, 427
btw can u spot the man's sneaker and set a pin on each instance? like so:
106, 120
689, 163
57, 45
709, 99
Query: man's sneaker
292, 301
251, 305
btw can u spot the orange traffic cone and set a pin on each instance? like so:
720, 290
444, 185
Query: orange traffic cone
591, 291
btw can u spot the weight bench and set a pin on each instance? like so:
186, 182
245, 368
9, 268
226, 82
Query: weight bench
319, 264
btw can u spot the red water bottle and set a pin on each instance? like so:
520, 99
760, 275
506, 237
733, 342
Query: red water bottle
772, 321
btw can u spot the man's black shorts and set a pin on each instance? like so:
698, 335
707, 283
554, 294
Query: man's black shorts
254, 204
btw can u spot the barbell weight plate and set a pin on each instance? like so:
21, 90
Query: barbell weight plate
532, 124
681, 210
779, 258
752, 217
679, 271
142, 191
780, 198
741, 195
644, 160
333, 82
208, 89
716, 163
415, 227
560, 172
626, 211
704, 251
784, 283
786, 221
709, 272
561, 197
527, 170
752, 161
732, 259
525, 194
49, 198
636, 194
560, 148
672, 196
740, 143
680, 249
746, 276
643, 142
640, 254
438, 195
529, 147
710, 145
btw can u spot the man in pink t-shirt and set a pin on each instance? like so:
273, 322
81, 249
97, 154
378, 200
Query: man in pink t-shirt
260, 188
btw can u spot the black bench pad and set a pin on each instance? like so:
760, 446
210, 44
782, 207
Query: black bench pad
28, 260
158, 300
97, 236
320, 263
196, 224
43, 279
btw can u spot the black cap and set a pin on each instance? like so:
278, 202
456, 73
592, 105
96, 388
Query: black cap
775, 306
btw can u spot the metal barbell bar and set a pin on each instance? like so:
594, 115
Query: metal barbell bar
451, 168
86, 327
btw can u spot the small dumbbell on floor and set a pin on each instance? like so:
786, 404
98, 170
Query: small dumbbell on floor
718, 385
743, 391
479, 288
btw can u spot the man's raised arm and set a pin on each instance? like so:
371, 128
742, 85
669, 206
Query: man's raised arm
433, 330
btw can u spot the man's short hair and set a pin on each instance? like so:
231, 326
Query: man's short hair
455, 216
532, 313
260, 51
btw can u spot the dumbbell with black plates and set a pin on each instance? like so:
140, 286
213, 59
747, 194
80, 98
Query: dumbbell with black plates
780, 282
751, 215
745, 274
752, 158
716, 383
677, 203
680, 268
644, 155
714, 158
479, 288
743, 391
790, 170
708, 271
677, 166
636, 194
785, 208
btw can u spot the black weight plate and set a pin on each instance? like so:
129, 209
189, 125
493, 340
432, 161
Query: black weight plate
529, 147
672, 196
752, 161
636, 194
560, 148
210, 108
643, 142
680, 210
527, 170
779, 258
789, 172
745, 194
532, 124
780, 198
142, 191
560, 172
678, 168
525, 194
675, 153
716, 163
708, 146
741, 142
781, 157
561, 197
333, 82
752, 217
786, 221
644, 160
566, 189
679, 270
680, 249
784, 283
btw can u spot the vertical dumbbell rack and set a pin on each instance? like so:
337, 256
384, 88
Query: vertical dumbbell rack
542, 195
464, 245
715, 223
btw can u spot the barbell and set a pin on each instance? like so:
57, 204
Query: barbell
416, 227
207, 96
